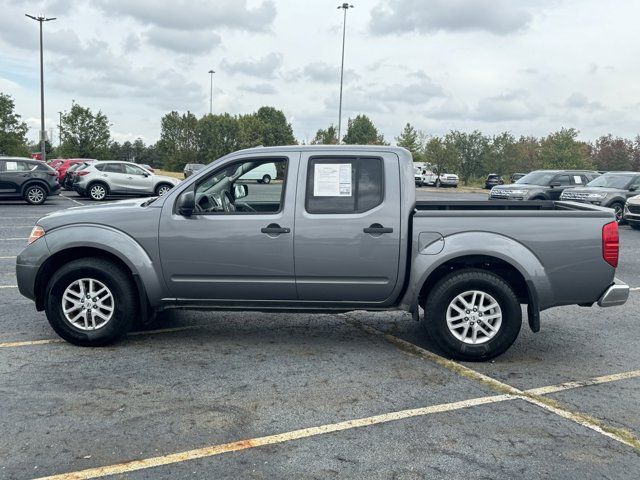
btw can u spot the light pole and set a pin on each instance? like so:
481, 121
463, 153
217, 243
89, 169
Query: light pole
211, 72
59, 128
345, 7
43, 134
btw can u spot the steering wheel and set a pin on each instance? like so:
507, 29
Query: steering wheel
227, 204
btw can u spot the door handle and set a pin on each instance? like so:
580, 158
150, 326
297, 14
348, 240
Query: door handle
274, 229
377, 229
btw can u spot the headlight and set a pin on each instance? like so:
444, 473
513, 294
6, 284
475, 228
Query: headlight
36, 233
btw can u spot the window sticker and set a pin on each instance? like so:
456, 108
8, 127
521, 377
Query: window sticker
12, 166
577, 179
332, 180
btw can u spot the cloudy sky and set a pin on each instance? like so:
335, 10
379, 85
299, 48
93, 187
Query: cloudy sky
528, 66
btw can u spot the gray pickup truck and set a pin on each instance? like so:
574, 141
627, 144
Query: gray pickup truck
338, 229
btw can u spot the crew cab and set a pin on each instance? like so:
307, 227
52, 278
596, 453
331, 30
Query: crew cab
542, 185
339, 229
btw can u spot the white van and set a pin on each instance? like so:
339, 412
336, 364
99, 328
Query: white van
262, 173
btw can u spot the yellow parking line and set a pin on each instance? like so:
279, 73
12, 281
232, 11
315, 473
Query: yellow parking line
214, 450
585, 383
45, 341
219, 449
619, 434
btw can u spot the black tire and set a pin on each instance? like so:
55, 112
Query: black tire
160, 187
618, 208
93, 191
35, 194
122, 289
266, 179
447, 289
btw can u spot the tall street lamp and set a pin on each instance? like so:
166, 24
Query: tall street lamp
59, 128
211, 72
43, 134
345, 7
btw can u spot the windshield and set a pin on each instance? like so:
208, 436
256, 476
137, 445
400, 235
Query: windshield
612, 180
537, 178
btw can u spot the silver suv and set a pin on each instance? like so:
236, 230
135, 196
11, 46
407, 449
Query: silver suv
104, 178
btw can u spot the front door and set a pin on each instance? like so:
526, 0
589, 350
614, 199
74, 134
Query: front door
347, 238
139, 181
13, 173
238, 243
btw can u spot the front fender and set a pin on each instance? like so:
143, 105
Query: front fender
480, 243
115, 242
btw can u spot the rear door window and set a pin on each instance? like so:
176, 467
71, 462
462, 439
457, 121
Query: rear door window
113, 168
564, 180
344, 185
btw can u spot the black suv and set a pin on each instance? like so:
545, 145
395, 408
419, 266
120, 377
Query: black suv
542, 185
32, 180
610, 190
492, 180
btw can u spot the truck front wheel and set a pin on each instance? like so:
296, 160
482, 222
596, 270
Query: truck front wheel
91, 302
472, 315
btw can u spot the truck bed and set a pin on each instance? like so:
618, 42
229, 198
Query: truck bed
427, 207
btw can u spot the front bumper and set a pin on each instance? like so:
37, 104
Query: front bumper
616, 294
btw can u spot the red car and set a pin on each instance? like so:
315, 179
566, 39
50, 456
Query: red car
64, 166
55, 163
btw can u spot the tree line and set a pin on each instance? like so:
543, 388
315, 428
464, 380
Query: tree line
185, 138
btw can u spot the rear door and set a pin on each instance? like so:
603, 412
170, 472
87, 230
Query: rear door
114, 175
347, 236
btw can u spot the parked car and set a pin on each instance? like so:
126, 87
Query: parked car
440, 180
610, 190
632, 212
542, 185
191, 168
100, 179
55, 162
492, 180
516, 176
65, 165
31, 180
362, 242
71, 177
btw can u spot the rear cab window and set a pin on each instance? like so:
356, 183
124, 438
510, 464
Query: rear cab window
344, 185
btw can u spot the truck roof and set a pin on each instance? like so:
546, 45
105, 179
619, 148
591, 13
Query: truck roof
312, 148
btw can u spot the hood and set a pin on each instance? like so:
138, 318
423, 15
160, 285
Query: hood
604, 190
100, 213
172, 180
634, 200
517, 186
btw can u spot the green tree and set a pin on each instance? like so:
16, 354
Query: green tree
500, 155
85, 134
527, 156
275, 128
139, 151
13, 131
411, 139
471, 150
562, 150
362, 131
218, 135
178, 144
328, 136
441, 155
611, 153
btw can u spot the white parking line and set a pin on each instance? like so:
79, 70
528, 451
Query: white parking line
635, 289
13, 239
8, 286
72, 200
8, 257
16, 226
219, 449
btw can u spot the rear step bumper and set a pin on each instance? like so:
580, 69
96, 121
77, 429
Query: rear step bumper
616, 294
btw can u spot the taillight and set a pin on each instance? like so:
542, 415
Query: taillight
82, 173
611, 243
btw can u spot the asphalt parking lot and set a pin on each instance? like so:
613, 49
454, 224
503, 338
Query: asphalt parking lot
358, 395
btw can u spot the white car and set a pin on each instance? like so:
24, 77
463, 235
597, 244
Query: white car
107, 177
262, 174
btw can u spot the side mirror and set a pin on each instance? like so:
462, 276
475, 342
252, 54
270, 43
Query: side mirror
555, 184
240, 191
186, 203
633, 189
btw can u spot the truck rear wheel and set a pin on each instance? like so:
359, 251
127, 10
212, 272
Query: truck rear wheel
91, 302
472, 315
